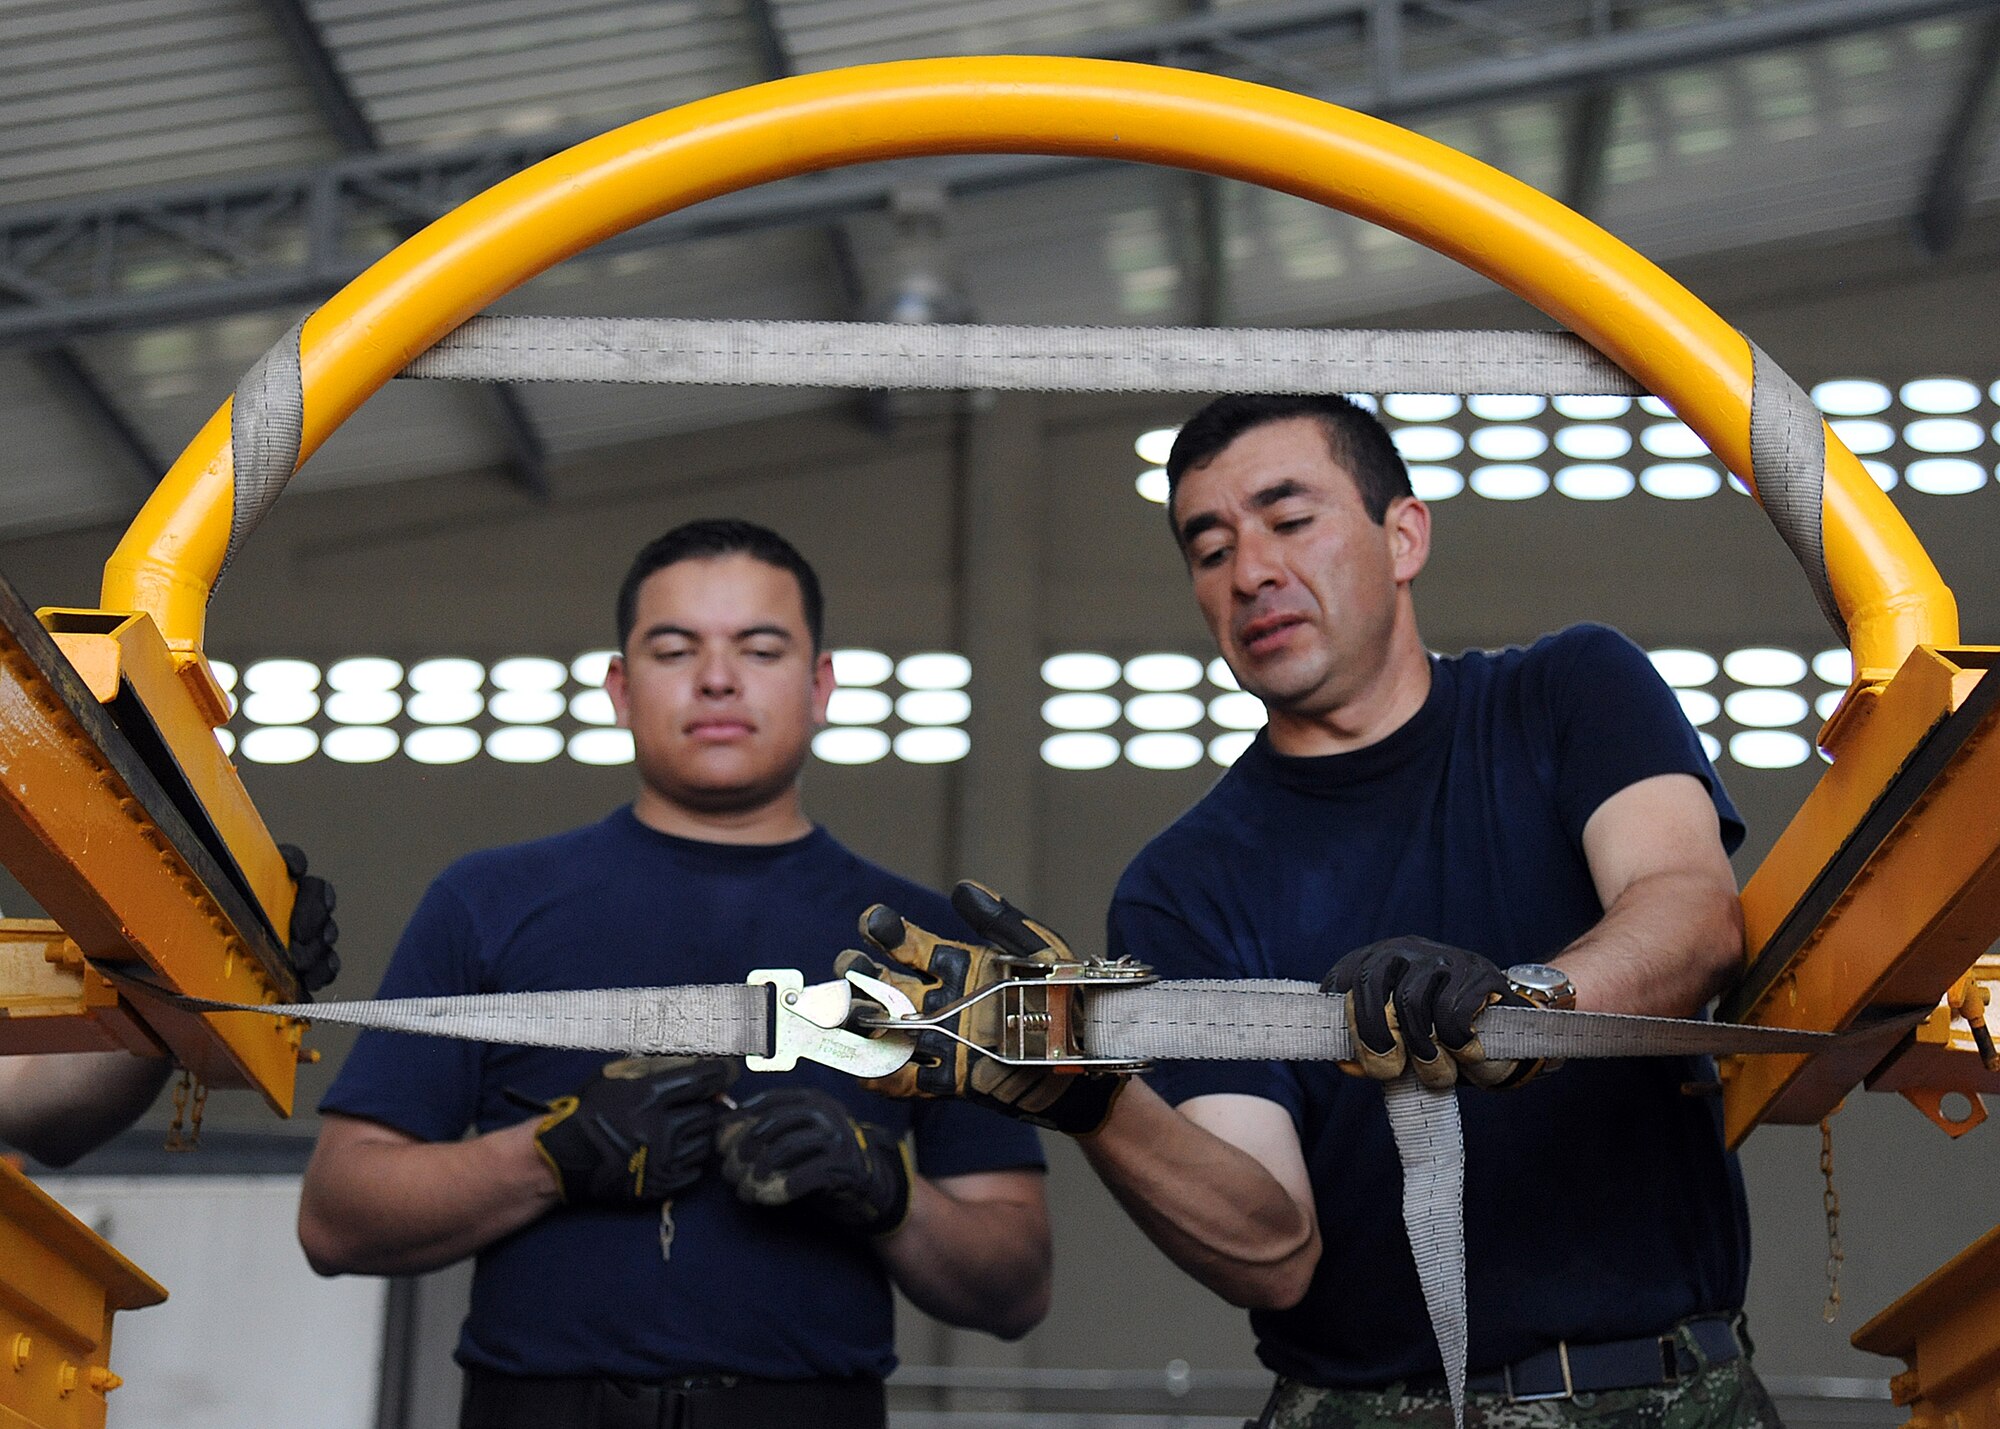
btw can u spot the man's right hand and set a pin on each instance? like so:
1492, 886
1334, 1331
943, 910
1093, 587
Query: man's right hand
639, 1131
1411, 1003
935, 972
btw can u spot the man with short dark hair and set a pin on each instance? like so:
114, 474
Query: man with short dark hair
650, 1252
1533, 824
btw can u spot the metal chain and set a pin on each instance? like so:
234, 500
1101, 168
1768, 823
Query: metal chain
194, 1123
175, 1141
1830, 1199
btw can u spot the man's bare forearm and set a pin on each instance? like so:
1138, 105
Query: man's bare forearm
378, 1203
1671, 942
57, 1107
975, 1251
1215, 1209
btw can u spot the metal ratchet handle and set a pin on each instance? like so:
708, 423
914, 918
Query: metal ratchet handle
902, 1016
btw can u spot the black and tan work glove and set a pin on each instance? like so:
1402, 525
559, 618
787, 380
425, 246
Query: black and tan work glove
309, 941
934, 972
638, 1132
798, 1146
1411, 1003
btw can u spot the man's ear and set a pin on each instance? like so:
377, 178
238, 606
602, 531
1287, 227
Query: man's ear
822, 686
1408, 524
614, 686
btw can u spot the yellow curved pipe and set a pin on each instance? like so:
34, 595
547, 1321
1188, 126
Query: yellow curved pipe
1572, 270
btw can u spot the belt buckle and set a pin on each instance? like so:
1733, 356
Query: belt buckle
1568, 1391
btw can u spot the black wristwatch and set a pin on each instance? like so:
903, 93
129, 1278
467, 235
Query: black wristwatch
1543, 985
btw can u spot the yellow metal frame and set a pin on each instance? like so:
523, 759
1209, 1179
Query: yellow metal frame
1947, 1331
1887, 588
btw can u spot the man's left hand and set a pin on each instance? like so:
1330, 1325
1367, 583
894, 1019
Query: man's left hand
309, 946
1411, 1004
799, 1146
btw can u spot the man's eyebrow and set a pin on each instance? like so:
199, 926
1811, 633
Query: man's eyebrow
1278, 491
754, 631
654, 632
1195, 525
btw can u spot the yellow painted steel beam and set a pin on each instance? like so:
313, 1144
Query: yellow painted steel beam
51, 1000
99, 844
1947, 1331
1884, 889
1889, 591
60, 1284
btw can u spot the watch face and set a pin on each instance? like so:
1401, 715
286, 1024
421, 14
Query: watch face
1539, 976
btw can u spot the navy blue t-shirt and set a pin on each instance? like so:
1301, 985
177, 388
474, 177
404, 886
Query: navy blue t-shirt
1599, 1201
586, 1291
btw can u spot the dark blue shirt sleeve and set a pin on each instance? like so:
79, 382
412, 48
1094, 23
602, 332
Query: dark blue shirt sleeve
427, 1087
955, 1138
1145, 929
1615, 723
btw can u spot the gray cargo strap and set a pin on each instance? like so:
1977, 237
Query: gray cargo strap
1166, 1021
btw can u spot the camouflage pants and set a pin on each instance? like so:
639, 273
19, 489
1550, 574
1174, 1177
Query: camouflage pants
1724, 1396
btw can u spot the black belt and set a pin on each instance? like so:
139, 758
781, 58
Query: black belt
702, 1401
1567, 1369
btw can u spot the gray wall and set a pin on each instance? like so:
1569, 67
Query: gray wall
1034, 495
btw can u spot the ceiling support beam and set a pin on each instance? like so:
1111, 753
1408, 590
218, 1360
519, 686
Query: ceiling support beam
1591, 117
68, 267
1968, 139
62, 369
524, 454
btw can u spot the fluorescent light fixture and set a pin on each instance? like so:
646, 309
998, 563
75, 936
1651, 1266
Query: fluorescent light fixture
851, 745
294, 706
1163, 671
1944, 434
1164, 711
525, 707
1940, 395
1427, 444
1864, 436
1676, 441
524, 744
447, 744
1079, 751
934, 670
1080, 670
1420, 406
279, 744
1698, 705
360, 744
861, 669
1768, 749
1766, 709
277, 676
603, 746
1221, 676
1764, 665
858, 707
1596, 441
592, 707
1655, 405
1827, 703
445, 707
1226, 749
529, 674
1881, 471
1510, 483
227, 740
1593, 408
450, 673
933, 707
1944, 476
1506, 407
932, 746
225, 674
589, 667
1851, 397
1835, 666
364, 674
1238, 710
1080, 711
1155, 446
1510, 443
1164, 751
1152, 484
1679, 481
360, 707
1594, 481
1683, 669
1435, 483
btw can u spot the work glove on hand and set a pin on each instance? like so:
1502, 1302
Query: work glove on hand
797, 1146
1411, 1003
638, 1132
934, 972
309, 946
